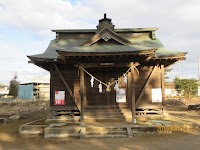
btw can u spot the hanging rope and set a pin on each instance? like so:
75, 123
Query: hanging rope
94, 77
108, 89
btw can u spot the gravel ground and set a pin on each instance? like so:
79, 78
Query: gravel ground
12, 140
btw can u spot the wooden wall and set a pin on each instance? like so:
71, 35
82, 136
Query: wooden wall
106, 75
155, 82
70, 74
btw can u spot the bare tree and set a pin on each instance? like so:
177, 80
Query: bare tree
14, 83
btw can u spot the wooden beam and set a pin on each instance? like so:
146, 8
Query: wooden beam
133, 106
67, 86
102, 65
125, 53
145, 85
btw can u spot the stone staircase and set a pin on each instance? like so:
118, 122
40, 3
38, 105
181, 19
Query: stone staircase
110, 132
107, 113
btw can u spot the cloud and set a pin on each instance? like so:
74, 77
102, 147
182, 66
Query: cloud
178, 21
43, 15
9, 52
13, 59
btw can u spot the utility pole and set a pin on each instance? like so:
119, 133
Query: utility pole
179, 69
199, 70
198, 76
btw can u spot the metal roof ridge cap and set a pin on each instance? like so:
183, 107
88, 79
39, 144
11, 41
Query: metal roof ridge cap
94, 30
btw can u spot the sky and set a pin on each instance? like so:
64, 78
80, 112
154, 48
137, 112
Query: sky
25, 28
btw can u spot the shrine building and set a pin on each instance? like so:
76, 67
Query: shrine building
106, 73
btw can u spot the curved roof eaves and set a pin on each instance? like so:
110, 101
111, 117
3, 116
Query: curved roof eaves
163, 52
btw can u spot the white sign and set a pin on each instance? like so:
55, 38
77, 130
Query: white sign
198, 90
59, 98
156, 95
121, 95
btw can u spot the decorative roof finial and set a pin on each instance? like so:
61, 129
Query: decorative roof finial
105, 22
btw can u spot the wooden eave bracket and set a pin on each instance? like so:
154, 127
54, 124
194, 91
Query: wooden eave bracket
67, 86
35, 59
145, 85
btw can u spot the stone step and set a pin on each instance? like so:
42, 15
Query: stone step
98, 113
63, 118
106, 136
105, 116
105, 119
106, 132
65, 113
107, 128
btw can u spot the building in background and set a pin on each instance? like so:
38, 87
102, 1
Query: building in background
35, 88
170, 90
3, 90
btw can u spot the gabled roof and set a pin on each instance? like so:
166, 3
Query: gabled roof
73, 46
131, 41
106, 34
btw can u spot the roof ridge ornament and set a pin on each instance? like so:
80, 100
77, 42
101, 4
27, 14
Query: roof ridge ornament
105, 16
105, 22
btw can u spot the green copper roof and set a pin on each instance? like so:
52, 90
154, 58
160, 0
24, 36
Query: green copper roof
163, 52
72, 45
110, 41
106, 49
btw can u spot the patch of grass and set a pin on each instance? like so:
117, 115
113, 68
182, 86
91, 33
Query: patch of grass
12, 127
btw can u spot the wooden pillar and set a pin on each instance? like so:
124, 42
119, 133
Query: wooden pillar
163, 83
107, 98
51, 86
82, 94
129, 89
51, 91
133, 104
